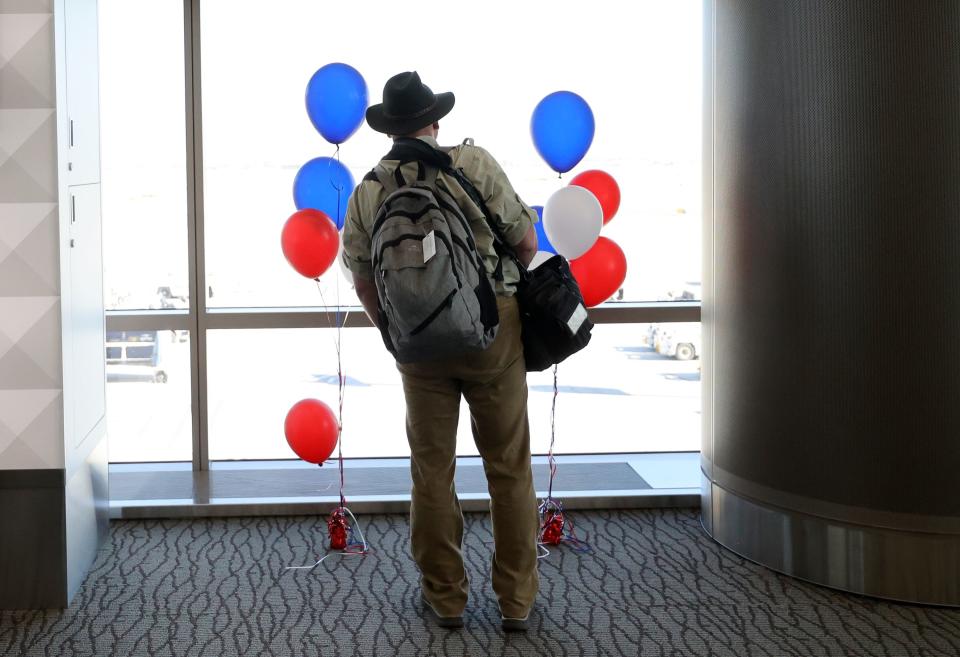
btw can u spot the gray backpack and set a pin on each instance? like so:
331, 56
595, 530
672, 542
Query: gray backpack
436, 298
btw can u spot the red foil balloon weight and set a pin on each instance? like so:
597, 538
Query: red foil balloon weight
338, 528
600, 271
310, 242
312, 430
602, 185
551, 532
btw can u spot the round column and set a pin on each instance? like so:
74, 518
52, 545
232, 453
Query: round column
832, 291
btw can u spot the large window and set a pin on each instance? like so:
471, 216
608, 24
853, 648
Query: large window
142, 154
232, 74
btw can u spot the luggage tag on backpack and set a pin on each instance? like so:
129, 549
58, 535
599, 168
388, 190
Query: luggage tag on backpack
429, 246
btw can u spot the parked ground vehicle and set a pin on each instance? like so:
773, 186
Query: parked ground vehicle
680, 340
134, 356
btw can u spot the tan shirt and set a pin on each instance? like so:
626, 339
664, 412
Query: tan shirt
513, 216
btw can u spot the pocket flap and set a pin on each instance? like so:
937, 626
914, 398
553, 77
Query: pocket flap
403, 254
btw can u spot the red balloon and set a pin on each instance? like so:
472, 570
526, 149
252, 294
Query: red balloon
604, 187
600, 271
310, 241
311, 429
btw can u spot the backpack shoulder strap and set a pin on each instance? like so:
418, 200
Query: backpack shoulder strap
392, 183
388, 182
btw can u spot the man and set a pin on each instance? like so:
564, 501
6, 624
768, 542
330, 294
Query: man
492, 381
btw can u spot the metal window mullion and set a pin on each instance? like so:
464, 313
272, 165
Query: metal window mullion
195, 242
252, 318
353, 317
147, 321
709, 291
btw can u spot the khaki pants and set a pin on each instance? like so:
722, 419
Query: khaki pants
494, 383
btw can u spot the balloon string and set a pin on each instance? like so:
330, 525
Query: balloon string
555, 526
341, 379
341, 387
337, 219
553, 434
344, 531
339, 187
339, 515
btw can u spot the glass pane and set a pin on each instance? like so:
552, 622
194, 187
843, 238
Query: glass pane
619, 395
143, 154
628, 391
148, 396
255, 376
257, 134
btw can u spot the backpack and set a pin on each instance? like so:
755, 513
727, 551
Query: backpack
436, 299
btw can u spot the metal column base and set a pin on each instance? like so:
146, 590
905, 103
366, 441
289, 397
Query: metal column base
905, 566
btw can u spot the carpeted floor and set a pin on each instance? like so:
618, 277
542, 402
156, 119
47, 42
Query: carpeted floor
656, 585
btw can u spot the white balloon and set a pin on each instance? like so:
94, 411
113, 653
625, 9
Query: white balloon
572, 219
539, 258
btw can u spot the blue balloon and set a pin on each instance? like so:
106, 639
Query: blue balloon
336, 101
324, 184
562, 128
543, 242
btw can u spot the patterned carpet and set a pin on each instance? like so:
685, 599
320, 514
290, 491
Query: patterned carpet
654, 586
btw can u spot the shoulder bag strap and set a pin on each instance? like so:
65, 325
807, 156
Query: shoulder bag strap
500, 244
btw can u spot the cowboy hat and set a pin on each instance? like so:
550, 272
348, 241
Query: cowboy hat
408, 105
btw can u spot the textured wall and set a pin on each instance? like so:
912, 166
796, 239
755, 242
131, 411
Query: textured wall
837, 255
30, 347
